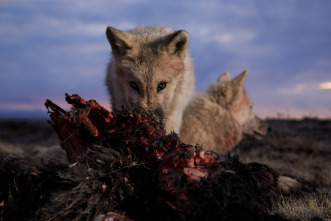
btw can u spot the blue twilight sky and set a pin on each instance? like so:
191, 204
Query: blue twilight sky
51, 47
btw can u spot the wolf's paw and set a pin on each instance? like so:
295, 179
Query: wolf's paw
287, 184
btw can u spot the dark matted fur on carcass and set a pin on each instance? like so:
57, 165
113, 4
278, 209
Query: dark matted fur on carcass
126, 165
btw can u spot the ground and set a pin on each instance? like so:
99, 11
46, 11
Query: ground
300, 149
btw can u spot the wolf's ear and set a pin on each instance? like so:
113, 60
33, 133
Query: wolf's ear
223, 86
120, 41
176, 43
237, 84
225, 77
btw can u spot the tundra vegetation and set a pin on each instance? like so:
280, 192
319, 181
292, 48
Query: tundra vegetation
296, 148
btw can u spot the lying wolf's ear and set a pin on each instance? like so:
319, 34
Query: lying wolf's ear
120, 41
176, 43
240, 79
221, 88
237, 85
225, 77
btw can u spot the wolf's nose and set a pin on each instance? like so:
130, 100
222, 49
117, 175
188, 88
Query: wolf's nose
158, 112
269, 129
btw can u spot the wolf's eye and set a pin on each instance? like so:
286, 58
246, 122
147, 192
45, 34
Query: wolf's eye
161, 86
134, 86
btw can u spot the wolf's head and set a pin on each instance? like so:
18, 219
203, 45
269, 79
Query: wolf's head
231, 95
147, 70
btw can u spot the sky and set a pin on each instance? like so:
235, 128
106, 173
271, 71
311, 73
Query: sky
49, 48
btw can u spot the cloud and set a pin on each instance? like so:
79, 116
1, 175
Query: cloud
229, 39
297, 89
53, 47
325, 86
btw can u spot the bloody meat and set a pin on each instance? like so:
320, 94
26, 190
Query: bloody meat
123, 166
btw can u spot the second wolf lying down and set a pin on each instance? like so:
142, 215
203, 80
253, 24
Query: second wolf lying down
219, 118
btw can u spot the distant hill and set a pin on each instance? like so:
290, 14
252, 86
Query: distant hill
36, 114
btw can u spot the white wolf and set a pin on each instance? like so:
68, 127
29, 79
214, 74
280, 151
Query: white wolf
151, 69
219, 118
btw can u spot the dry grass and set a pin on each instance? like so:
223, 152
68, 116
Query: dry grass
305, 207
301, 150
30, 138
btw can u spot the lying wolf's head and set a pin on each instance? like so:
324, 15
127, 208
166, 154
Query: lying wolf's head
231, 95
149, 70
